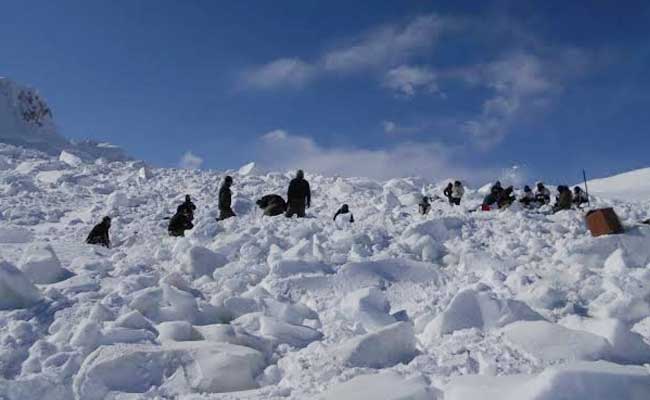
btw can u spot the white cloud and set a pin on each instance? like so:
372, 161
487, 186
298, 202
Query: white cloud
279, 150
389, 126
190, 160
406, 80
389, 45
291, 72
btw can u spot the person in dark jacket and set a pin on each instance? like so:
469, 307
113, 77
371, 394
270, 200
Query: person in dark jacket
188, 207
527, 198
492, 198
424, 206
448, 191
343, 211
298, 196
272, 204
496, 188
543, 195
564, 199
505, 197
225, 200
180, 222
99, 233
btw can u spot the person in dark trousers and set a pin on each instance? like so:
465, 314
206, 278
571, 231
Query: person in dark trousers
424, 206
298, 196
496, 188
564, 199
188, 207
528, 198
99, 233
180, 222
448, 191
457, 192
225, 200
343, 211
272, 204
579, 196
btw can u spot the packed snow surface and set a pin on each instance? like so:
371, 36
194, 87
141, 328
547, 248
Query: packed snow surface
454, 305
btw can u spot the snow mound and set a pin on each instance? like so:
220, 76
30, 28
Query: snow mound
15, 234
578, 381
385, 386
16, 291
41, 265
201, 261
183, 368
626, 186
70, 159
383, 348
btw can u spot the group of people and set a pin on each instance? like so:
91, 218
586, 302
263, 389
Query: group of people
501, 198
299, 199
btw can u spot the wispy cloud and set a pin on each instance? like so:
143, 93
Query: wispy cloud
406, 80
190, 160
279, 150
291, 72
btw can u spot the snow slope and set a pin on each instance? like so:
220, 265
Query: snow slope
453, 305
27, 120
632, 185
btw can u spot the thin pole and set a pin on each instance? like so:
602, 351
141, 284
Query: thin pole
584, 177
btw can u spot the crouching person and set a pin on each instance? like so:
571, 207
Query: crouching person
564, 199
180, 222
272, 204
99, 233
344, 210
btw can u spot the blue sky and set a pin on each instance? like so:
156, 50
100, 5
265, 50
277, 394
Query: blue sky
379, 88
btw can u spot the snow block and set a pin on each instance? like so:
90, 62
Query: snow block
551, 342
577, 381
481, 310
200, 261
200, 366
285, 268
384, 386
70, 159
41, 265
383, 348
369, 307
15, 234
16, 291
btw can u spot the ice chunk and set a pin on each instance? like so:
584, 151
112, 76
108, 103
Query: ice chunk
201, 261
15, 234
385, 386
70, 159
16, 291
369, 307
199, 366
284, 268
551, 342
577, 381
41, 265
482, 310
383, 348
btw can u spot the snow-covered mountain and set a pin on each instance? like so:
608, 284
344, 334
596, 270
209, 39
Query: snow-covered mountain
454, 305
632, 185
26, 120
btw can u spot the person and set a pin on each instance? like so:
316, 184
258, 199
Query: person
344, 210
490, 199
447, 192
496, 188
99, 233
579, 196
505, 197
564, 199
543, 195
457, 193
298, 196
180, 222
188, 207
272, 204
527, 198
225, 200
424, 205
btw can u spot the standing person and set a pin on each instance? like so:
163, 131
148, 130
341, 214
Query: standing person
424, 205
99, 233
225, 200
543, 195
298, 196
457, 193
447, 192
187, 207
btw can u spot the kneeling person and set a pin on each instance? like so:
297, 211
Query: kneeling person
272, 204
99, 233
180, 222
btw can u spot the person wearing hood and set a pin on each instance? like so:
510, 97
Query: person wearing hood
99, 233
448, 191
543, 195
579, 196
272, 204
344, 210
564, 199
225, 200
180, 222
527, 198
298, 196
188, 207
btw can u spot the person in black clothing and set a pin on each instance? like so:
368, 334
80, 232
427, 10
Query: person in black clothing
272, 204
225, 200
99, 233
424, 206
579, 196
298, 196
188, 207
564, 200
505, 197
528, 197
344, 210
180, 222
447, 192
496, 188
